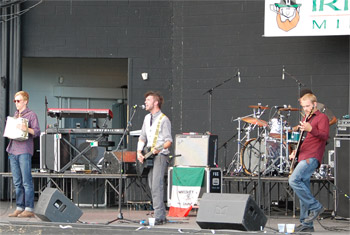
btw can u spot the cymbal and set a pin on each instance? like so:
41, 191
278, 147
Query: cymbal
255, 121
289, 109
258, 107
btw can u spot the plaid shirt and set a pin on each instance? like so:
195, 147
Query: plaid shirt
21, 147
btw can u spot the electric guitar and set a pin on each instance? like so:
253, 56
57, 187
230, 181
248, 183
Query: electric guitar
300, 141
147, 161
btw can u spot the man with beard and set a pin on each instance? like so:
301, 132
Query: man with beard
156, 135
309, 156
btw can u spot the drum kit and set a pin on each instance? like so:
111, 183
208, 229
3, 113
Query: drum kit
263, 146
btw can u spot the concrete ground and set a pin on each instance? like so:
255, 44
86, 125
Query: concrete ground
105, 221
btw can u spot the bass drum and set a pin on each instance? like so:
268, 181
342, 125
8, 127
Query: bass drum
252, 151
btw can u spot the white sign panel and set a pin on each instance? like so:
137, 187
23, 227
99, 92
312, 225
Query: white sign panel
306, 17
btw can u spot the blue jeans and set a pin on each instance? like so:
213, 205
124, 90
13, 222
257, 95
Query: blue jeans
21, 166
300, 183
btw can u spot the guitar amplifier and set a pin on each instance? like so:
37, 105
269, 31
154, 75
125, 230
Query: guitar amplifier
112, 163
196, 150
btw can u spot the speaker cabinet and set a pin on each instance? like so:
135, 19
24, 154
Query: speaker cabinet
53, 206
196, 150
341, 175
112, 162
87, 192
230, 211
54, 151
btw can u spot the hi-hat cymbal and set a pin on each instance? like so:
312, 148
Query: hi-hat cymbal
258, 107
289, 109
255, 121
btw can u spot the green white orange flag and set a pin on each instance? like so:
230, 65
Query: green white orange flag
187, 182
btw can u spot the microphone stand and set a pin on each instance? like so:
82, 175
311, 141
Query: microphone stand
300, 84
129, 124
44, 166
210, 92
224, 145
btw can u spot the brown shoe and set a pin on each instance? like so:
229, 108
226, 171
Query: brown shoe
26, 214
15, 213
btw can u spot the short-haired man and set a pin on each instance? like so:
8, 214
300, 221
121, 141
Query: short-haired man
20, 155
156, 132
310, 156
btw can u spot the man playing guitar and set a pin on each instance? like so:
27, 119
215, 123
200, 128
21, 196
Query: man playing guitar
156, 134
309, 156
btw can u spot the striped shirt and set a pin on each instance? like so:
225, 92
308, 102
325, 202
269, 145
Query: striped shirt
27, 146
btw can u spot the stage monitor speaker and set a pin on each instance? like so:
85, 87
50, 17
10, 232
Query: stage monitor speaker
341, 176
53, 206
230, 211
196, 150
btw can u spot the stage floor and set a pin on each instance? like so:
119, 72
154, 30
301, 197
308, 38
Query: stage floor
98, 221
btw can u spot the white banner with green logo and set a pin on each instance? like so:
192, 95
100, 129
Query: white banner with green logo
285, 18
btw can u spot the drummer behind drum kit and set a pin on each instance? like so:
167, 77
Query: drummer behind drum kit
268, 152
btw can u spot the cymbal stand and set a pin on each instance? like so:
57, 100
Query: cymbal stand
281, 142
235, 160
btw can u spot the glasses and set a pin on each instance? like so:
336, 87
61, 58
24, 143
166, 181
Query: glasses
17, 101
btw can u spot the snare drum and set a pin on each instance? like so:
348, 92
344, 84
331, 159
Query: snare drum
293, 137
14, 133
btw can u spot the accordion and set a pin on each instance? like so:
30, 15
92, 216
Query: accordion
14, 133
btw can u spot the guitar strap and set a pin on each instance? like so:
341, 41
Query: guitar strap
156, 134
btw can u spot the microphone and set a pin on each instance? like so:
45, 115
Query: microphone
281, 107
239, 76
142, 106
283, 70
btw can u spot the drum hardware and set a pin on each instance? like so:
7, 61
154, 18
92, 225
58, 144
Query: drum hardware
224, 145
289, 108
324, 172
258, 106
255, 121
235, 164
252, 155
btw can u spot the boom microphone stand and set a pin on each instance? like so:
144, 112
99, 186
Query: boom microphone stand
210, 92
300, 84
129, 124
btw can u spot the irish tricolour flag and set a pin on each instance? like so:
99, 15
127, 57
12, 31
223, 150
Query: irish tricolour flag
187, 182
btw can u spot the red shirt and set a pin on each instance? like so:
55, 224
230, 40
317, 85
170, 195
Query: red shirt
315, 141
